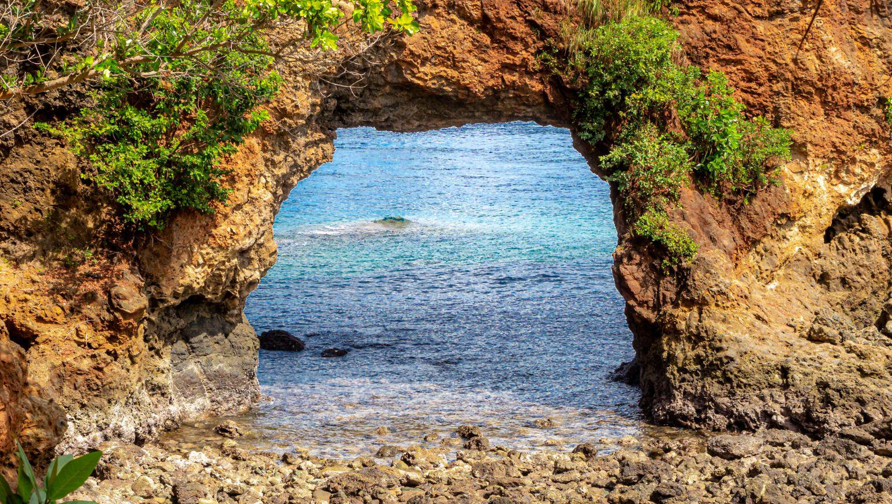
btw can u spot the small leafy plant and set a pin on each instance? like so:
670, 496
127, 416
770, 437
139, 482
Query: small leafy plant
889, 110
65, 475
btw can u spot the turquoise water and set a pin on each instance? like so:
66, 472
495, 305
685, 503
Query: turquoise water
487, 298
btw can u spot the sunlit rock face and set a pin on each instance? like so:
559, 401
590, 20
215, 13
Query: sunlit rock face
781, 320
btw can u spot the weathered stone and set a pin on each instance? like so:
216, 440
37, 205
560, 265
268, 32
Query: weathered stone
478, 443
733, 447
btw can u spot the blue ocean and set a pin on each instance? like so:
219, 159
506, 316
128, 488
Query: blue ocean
468, 273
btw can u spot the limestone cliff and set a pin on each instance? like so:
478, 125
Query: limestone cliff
781, 320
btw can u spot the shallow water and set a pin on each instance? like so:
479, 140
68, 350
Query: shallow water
492, 303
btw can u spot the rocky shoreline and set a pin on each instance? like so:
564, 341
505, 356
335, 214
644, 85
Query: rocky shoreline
773, 466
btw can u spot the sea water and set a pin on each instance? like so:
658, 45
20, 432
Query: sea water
468, 273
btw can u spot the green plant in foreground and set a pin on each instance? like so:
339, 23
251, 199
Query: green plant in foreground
65, 475
888, 110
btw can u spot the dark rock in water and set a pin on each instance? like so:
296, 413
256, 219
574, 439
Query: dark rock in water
587, 450
393, 220
478, 443
628, 373
228, 429
282, 341
388, 451
334, 352
469, 431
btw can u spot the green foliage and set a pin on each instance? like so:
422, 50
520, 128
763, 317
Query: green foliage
627, 65
183, 85
655, 226
651, 166
888, 110
64, 475
162, 151
734, 154
666, 125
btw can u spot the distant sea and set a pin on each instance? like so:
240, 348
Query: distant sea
467, 271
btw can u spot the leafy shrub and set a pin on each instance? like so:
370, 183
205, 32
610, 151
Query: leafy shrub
182, 86
622, 61
666, 125
889, 110
735, 154
162, 152
654, 225
651, 166
65, 475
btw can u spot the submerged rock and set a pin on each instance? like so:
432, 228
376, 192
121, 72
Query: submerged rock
334, 352
229, 429
396, 221
281, 341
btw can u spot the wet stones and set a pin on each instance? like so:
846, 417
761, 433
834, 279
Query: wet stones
281, 341
587, 450
228, 429
473, 437
330, 353
769, 467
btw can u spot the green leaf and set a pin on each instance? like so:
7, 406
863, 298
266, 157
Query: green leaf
15, 499
55, 466
5, 491
38, 496
73, 475
27, 481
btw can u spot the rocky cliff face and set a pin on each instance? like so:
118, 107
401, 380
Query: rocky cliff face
781, 320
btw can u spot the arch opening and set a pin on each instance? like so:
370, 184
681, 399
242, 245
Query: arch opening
467, 271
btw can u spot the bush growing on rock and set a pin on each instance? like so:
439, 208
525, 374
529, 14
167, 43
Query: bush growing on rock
176, 86
64, 475
666, 125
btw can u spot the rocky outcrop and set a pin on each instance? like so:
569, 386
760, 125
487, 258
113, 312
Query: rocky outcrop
780, 321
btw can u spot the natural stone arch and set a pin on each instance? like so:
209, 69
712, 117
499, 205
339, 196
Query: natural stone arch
740, 340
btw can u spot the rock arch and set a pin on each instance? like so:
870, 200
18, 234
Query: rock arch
770, 326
